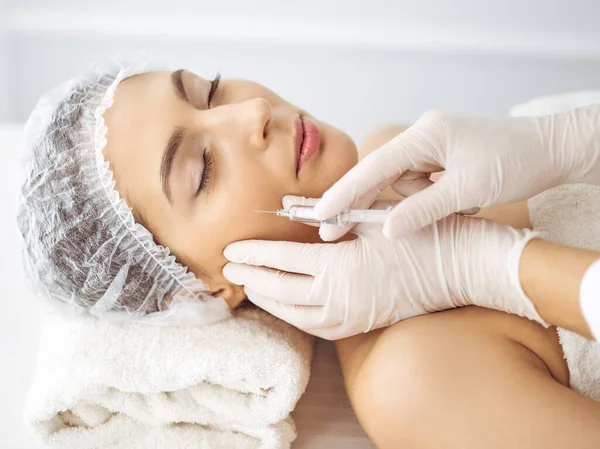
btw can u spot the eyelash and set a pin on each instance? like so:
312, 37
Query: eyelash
214, 85
206, 172
208, 162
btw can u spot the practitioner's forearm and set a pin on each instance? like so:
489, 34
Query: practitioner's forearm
551, 276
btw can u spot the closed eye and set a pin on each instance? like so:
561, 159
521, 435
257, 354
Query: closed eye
214, 85
206, 156
206, 172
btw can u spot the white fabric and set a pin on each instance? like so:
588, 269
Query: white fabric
110, 386
486, 160
321, 288
570, 214
589, 298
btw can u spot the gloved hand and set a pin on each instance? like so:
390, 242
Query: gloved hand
335, 290
487, 161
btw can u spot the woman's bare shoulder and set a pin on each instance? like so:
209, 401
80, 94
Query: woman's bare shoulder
397, 374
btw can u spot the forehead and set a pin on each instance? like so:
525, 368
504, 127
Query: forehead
138, 102
139, 124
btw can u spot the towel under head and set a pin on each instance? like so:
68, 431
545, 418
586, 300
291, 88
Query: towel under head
106, 385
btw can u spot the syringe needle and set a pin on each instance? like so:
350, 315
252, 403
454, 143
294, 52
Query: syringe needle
266, 211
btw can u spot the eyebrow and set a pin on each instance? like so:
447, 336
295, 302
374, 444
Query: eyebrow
175, 140
177, 81
167, 161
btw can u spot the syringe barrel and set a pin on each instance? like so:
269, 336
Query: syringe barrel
364, 216
305, 214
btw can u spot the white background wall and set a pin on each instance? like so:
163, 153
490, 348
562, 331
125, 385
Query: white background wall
3, 62
354, 63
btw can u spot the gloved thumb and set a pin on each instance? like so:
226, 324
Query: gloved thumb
327, 232
412, 182
425, 207
293, 200
330, 233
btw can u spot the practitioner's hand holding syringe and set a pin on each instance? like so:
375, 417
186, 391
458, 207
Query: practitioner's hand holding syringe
489, 161
335, 290
437, 263
486, 161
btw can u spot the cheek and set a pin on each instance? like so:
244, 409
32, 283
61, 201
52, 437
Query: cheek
345, 154
240, 221
229, 216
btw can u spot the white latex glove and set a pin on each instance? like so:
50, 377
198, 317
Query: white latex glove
487, 161
335, 290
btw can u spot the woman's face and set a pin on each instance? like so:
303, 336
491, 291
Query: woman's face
194, 171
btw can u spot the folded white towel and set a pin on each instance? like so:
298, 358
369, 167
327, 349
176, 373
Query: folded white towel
570, 214
111, 386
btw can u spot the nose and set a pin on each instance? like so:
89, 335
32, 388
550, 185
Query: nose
254, 116
248, 121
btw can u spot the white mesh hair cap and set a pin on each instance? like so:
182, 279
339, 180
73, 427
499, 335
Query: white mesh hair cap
83, 250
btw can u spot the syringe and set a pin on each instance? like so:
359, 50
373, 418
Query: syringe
305, 214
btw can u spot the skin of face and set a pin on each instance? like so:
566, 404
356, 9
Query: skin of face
249, 134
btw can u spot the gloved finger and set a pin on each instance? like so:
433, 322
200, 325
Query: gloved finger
288, 288
413, 182
383, 204
373, 172
292, 200
377, 170
303, 317
285, 256
425, 207
333, 330
330, 232
470, 211
330, 333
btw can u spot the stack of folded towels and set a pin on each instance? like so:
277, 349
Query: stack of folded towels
110, 386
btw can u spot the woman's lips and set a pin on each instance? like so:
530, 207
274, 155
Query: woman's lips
308, 141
